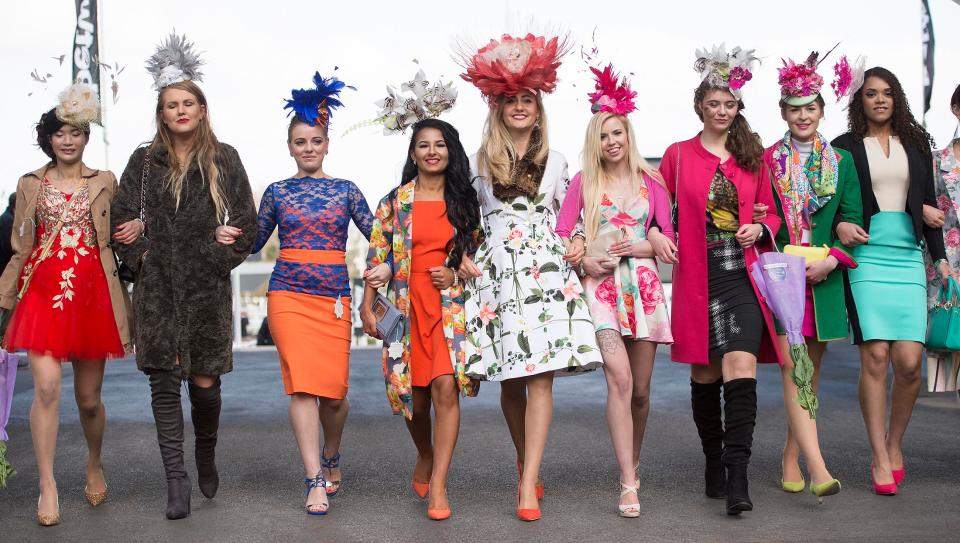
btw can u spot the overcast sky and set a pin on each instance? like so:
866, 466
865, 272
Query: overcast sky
257, 51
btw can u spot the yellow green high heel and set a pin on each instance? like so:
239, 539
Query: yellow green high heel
828, 488
793, 487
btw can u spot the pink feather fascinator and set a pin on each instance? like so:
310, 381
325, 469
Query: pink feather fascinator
613, 93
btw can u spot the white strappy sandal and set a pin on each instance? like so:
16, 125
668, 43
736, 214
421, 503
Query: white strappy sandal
630, 510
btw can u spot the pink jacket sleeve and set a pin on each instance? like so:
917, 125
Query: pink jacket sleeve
660, 208
570, 209
765, 196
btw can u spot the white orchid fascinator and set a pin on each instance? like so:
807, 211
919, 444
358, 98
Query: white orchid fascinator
416, 100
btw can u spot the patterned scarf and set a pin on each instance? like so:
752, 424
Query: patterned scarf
804, 188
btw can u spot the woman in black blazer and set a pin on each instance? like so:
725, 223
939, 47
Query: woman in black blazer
886, 296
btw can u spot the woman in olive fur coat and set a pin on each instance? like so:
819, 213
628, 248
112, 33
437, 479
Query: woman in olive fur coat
198, 223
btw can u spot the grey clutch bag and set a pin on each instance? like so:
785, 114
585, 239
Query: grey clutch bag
389, 318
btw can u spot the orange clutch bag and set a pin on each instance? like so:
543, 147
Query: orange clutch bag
810, 253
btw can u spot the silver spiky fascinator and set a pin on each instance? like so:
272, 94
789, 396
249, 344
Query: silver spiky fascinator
79, 106
417, 100
726, 70
175, 60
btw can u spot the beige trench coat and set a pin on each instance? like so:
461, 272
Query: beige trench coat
102, 186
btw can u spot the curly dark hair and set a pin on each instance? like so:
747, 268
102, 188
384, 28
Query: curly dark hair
47, 127
902, 122
955, 98
463, 207
743, 143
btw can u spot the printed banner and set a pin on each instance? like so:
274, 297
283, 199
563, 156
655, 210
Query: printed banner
86, 52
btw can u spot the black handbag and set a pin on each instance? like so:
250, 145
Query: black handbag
125, 272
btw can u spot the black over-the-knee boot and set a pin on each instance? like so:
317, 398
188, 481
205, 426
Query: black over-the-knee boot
740, 416
205, 412
708, 417
168, 416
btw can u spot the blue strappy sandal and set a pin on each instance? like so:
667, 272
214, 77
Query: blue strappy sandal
311, 483
333, 487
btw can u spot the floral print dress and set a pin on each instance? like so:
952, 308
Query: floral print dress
65, 311
631, 300
527, 313
946, 172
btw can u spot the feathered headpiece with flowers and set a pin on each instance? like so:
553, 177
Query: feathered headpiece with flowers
848, 79
79, 106
800, 84
508, 66
726, 70
174, 60
422, 101
613, 93
313, 106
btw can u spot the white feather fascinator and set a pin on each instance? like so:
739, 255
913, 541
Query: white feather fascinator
175, 60
417, 100
79, 106
726, 69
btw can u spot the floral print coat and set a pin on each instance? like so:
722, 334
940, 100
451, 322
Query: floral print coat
390, 242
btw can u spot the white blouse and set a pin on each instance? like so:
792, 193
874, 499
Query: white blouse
890, 175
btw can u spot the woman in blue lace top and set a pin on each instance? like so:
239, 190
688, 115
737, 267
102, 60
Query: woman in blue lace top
308, 303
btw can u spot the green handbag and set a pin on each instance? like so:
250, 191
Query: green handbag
943, 322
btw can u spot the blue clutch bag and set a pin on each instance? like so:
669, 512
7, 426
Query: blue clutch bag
389, 318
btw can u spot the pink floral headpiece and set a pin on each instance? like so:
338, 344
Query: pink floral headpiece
848, 79
800, 81
508, 66
613, 94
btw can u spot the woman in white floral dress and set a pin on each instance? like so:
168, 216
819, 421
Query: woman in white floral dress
527, 317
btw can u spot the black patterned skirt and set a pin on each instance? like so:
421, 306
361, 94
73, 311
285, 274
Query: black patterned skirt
735, 319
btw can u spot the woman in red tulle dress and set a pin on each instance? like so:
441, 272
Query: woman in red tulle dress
61, 289
65, 310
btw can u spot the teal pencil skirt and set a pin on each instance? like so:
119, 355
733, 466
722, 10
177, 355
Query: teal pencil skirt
889, 283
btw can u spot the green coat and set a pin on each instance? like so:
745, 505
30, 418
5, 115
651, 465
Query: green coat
828, 296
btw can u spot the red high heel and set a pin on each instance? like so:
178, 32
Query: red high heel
527, 515
538, 489
886, 489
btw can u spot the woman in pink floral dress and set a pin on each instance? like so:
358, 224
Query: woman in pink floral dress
942, 366
621, 196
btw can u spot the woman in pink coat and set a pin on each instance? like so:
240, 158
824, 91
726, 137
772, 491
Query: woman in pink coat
721, 325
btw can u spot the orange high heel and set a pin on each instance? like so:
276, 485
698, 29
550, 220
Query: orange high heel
538, 489
527, 515
420, 489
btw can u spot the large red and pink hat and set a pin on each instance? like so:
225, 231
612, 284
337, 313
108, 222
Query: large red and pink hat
511, 65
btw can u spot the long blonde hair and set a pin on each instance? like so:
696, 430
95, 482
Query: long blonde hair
594, 177
496, 156
204, 151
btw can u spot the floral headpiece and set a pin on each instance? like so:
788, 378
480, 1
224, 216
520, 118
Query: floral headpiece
613, 94
313, 106
79, 106
508, 66
726, 70
800, 84
423, 101
848, 79
174, 61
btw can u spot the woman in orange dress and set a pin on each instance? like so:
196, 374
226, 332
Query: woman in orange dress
426, 365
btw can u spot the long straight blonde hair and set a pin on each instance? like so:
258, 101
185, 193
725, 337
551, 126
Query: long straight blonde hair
594, 177
204, 151
496, 156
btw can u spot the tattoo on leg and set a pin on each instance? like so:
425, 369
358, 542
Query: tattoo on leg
609, 341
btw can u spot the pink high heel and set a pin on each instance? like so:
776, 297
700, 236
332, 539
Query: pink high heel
899, 474
886, 489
